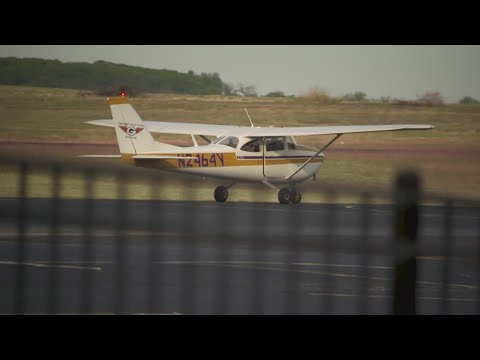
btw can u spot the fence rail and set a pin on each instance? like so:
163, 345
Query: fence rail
118, 243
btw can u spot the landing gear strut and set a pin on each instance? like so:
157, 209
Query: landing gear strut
292, 195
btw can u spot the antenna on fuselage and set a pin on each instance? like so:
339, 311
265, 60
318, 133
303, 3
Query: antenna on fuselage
249, 117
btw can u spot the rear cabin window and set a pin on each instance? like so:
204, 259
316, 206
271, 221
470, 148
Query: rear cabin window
252, 146
291, 143
231, 141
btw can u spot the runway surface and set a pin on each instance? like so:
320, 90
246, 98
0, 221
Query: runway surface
234, 258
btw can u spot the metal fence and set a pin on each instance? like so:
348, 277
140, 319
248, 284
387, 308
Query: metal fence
101, 250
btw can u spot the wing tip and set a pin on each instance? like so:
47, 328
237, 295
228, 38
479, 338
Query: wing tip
103, 122
101, 156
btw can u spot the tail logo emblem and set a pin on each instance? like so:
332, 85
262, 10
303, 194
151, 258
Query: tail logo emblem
131, 130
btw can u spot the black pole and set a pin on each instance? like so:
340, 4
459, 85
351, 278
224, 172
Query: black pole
406, 224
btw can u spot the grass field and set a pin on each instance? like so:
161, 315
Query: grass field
446, 157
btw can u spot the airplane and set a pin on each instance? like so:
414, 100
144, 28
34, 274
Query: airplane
268, 155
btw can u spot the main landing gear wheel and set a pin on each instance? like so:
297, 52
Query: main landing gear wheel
221, 194
286, 196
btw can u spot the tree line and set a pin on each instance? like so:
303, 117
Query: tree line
106, 78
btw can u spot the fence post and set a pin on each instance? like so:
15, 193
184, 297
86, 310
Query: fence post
406, 224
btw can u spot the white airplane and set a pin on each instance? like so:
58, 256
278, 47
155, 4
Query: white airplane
268, 155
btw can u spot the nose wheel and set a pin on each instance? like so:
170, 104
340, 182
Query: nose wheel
287, 196
221, 194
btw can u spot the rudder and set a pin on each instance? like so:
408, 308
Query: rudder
132, 136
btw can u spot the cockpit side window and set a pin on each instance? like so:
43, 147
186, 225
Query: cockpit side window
231, 141
274, 144
217, 140
251, 146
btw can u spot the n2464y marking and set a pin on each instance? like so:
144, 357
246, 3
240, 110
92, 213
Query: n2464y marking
201, 160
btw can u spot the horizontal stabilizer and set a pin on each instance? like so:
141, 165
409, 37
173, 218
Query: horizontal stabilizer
101, 156
106, 122
160, 157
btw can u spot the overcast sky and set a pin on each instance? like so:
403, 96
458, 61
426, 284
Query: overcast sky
397, 71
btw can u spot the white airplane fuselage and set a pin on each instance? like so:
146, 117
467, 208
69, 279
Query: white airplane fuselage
233, 163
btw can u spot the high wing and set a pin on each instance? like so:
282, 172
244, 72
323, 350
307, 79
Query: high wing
220, 130
181, 128
331, 130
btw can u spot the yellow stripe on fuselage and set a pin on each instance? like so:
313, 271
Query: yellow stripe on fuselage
212, 160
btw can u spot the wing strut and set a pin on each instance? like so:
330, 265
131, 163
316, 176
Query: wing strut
313, 157
262, 143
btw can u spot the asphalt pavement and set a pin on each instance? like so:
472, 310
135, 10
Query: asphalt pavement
143, 257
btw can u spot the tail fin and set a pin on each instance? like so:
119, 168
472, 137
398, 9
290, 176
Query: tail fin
132, 136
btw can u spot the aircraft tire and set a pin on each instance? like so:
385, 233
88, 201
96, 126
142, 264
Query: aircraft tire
220, 194
295, 196
284, 196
